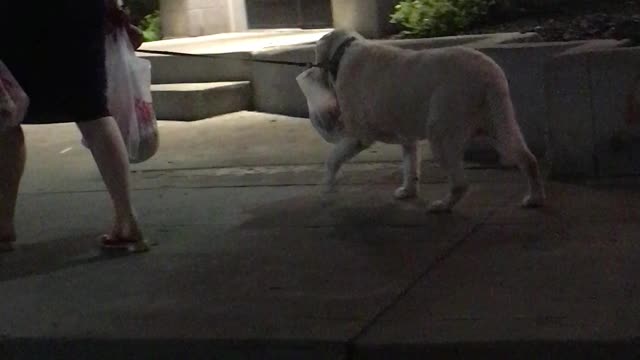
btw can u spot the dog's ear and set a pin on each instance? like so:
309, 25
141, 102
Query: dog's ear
323, 48
328, 44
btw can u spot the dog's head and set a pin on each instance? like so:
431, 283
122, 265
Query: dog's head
329, 44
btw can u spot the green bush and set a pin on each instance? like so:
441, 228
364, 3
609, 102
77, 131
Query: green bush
151, 27
430, 18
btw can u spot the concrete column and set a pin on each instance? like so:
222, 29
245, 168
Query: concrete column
186, 18
238, 15
368, 17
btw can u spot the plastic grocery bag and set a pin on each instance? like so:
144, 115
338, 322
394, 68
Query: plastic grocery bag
129, 97
324, 111
14, 102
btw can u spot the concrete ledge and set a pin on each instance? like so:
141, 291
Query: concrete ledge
615, 86
592, 110
480, 40
189, 102
419, 44
517, 38
275, 89
524, 65
180, 69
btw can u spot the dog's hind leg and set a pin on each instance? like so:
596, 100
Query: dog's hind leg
511, 144
344, 150
410, 172
450, 153
529, 166
516, 150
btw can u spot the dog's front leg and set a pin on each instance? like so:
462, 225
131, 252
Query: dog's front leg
345, 150
410, 172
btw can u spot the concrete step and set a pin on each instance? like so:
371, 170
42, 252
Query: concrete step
181, 69
197, 101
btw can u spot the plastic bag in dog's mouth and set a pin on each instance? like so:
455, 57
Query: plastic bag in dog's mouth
324, 111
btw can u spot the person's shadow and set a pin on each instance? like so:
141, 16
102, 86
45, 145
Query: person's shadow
53, 255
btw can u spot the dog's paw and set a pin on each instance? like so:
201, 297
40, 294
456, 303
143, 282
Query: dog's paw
439, 206
532, 201
403, 193
329, 188
328, 185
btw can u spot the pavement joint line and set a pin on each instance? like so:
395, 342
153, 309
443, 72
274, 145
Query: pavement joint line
240, 186
168, 187
351, 344
284, 166
314, 165
370, 226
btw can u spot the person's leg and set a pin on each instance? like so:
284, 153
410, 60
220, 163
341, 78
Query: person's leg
108, 148
12, 159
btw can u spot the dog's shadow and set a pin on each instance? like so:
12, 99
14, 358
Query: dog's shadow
348, 207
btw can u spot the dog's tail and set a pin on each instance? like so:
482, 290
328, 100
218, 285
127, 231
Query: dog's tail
502, 117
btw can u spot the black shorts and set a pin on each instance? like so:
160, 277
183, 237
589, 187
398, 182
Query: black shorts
55, 50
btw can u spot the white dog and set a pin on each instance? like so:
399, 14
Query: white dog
367, 92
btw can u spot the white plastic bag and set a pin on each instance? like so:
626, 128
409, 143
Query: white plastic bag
129, 97
13, 100
324, 111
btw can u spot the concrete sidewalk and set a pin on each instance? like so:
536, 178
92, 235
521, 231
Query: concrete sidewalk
252, 262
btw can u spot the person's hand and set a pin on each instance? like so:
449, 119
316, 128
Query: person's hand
136, 37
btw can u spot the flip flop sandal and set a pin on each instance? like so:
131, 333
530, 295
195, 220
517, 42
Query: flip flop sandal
109, 242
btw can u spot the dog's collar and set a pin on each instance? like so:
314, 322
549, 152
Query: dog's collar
334, 63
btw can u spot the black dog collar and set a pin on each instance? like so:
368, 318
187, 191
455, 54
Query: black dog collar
334, 62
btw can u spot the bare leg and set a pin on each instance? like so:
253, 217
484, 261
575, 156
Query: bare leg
107, 146
450, 156
410, 172
12, 160
345, 150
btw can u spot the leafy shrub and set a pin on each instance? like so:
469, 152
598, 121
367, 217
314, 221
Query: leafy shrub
151, 27
430, 18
